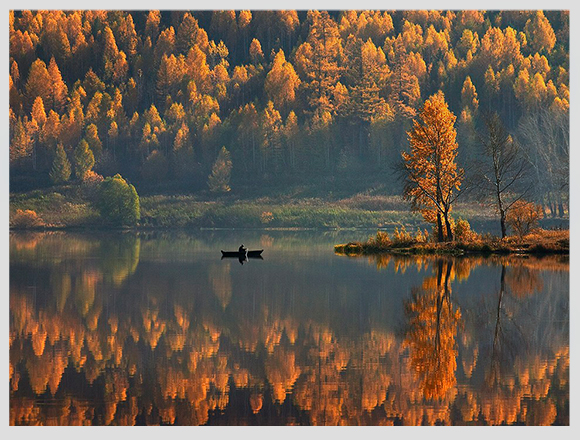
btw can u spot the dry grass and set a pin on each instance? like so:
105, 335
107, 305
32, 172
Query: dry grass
538, 242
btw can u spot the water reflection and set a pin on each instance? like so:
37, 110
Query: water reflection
433, 322
125, 329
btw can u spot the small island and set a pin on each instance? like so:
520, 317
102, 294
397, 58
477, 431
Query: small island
537, 242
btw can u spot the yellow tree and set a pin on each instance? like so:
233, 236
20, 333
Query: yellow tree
540, 33
282, 81
219, 179
433, 179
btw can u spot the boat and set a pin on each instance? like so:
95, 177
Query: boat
237, 254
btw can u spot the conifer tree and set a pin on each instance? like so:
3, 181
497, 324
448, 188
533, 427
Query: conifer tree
61, 169
84, 160
219, 179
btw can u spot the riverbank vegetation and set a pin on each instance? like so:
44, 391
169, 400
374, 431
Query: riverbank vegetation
535, 241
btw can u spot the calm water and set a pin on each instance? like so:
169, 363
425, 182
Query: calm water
154, 328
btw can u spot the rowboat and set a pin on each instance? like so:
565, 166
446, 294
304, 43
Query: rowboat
236, 254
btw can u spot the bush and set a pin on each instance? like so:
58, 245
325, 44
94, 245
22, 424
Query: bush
402, 236
91, 184
382, 239
26, 219
118, 202
463, 231
523, 216
422, 236
266, 217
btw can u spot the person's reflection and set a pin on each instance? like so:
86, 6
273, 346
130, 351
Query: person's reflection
242, 258
432, 328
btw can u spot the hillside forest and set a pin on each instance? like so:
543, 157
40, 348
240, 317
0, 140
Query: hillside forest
255, 99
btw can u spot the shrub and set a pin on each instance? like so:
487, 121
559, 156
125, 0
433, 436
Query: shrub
402, 236
523, 216
91, 184
382, 239
463, 231
118, 202
266, 217
422, 236
26, 219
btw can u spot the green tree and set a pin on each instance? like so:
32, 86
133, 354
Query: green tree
219, 179
118, 202
84, 160
61, 169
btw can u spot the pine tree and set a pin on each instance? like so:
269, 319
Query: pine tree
61, 169
219, 179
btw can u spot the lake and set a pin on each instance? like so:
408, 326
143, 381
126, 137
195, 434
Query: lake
154, 328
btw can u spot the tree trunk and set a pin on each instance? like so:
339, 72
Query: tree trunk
449, 231
502, 222
439, 228
448, 227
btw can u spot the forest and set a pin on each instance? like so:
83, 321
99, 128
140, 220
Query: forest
186, 102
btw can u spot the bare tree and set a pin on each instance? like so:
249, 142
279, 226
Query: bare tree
502, 169
546, 135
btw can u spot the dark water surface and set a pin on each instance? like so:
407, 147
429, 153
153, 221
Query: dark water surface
154, 328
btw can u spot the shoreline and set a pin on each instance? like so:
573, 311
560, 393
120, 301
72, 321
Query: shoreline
549, 243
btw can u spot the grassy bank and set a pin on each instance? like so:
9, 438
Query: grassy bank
71, 207
539, 242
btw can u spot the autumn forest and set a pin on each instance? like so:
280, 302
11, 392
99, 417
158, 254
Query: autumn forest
292, 97
401, 176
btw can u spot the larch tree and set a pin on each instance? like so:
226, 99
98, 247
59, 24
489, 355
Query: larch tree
58, 89
38, 83
84, 160
219, 179
61, 168
271, 124
256, 54
433, 179
540, 33
469, 98
281, 82
92, 138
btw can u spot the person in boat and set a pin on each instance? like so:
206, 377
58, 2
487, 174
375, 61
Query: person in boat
242, 249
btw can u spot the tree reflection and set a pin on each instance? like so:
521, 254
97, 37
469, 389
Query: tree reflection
433, 322
160, 349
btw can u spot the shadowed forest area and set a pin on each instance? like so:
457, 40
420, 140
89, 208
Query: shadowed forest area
190, 108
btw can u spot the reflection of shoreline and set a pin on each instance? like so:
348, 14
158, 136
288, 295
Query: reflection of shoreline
166, 356
548, 262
